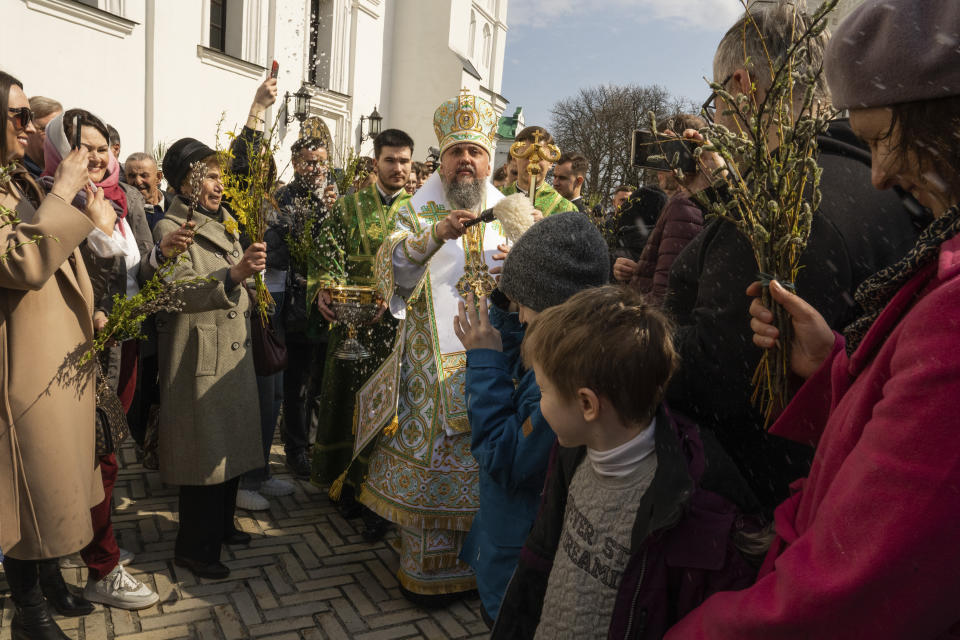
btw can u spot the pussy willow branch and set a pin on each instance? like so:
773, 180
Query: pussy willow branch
773, 184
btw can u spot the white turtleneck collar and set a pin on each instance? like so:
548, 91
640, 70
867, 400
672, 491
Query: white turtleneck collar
622, 460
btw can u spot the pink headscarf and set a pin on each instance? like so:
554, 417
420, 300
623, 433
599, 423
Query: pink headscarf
56, 146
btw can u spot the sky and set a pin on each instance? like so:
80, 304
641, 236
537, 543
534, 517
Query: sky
556, 47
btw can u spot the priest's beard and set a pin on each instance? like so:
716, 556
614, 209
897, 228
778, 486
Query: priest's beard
464, 195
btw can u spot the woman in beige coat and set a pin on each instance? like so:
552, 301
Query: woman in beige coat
48, 474
209, 430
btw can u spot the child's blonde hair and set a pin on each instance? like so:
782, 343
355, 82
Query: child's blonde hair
610, 340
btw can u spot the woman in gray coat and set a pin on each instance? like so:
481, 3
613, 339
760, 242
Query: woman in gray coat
209, 430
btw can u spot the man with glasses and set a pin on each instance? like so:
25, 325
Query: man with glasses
43, 110
855, 232
709, 108
304, 204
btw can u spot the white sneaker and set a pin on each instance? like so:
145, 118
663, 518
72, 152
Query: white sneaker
120, 590
251, 501
275, 487
75, 561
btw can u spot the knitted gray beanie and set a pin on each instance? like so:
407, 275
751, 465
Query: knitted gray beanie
554, 259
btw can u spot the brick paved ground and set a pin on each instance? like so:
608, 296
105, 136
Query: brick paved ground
308, 575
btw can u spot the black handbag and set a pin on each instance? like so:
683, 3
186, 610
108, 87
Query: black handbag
269, 350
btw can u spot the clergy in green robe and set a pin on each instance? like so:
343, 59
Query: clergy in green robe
547, 200
353, 233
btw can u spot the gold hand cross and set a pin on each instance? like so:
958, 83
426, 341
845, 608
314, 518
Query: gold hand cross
534, 152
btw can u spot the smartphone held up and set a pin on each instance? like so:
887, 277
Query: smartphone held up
76, 132
662, 152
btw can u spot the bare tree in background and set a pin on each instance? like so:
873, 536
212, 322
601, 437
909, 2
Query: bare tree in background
599, 122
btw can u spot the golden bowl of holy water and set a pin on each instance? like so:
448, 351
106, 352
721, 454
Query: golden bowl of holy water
354, 306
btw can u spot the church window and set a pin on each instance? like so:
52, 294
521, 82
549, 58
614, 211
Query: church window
218, 25
473, 34
322, 31
487, 43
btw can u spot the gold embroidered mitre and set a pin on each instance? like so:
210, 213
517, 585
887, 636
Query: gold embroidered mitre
315, 127
466, 118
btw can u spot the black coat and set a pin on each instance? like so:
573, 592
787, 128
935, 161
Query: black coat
297, 203
635, 220
857, 231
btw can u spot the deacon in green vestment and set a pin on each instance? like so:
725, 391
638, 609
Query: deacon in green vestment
547, 200
354, 232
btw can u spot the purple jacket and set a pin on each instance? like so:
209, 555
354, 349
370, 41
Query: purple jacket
681, 549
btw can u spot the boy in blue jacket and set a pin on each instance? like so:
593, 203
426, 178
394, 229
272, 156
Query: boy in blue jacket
511, 441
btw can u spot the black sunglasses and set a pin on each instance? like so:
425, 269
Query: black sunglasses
709, 108
23, 114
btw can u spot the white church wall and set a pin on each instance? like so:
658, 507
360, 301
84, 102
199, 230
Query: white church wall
424, 69
61, 50
401, 57
368, 65
198, 86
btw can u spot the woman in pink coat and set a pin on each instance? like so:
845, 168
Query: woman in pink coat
867, 547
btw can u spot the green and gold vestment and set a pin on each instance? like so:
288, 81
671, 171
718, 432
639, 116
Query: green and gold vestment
548, 200
352, 234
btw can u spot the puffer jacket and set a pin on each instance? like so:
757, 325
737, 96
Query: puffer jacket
679, 223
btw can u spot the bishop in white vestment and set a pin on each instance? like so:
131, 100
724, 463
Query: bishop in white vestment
422, 475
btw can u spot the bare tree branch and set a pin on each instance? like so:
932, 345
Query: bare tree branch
599, 122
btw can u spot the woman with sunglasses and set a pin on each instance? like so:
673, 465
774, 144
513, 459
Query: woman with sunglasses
48, 475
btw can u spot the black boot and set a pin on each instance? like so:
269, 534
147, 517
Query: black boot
66, 601
35, 623
31, 620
